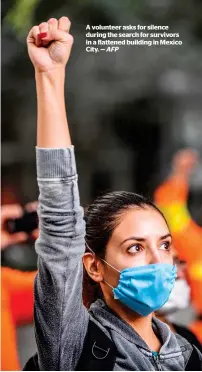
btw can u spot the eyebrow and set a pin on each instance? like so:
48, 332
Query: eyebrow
143, 239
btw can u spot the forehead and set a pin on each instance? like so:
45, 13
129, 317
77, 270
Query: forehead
140, 222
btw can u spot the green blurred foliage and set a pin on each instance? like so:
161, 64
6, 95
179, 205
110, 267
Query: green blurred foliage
20, 16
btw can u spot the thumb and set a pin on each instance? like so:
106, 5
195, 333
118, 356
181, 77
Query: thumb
54, 35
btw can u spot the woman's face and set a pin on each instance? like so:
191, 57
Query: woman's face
142, 237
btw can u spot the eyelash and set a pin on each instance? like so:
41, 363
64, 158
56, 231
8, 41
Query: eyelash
168, 245
135, 245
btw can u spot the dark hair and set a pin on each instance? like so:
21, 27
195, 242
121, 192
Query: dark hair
101, 217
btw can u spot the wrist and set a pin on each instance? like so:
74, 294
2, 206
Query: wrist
55, 76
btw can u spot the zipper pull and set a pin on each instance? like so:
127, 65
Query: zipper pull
155, 355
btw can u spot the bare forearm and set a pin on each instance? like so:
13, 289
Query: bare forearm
52, 125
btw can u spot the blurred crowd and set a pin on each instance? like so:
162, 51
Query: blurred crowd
19, 229
16, 284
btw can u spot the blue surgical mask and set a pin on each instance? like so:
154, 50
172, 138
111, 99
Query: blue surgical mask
144, 289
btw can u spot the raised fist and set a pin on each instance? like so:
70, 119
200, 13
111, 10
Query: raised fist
49, 44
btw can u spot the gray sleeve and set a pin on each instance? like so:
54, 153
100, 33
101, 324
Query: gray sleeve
61, 320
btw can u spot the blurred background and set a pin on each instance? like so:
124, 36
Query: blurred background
129, 112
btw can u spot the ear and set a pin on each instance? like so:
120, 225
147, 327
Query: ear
93, 267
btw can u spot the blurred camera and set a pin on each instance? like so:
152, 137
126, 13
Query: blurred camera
27, 223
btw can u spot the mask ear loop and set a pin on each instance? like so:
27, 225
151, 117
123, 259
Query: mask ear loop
106, 263
102, 259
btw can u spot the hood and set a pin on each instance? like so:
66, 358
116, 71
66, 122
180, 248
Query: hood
114, 324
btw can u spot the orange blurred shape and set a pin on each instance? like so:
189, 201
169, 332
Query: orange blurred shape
195, 276
17, 302
9, 194
196, 328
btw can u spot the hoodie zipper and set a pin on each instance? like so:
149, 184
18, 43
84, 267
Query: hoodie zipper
157, 362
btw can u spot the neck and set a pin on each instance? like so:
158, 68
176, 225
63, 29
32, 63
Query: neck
165, 320
141, 324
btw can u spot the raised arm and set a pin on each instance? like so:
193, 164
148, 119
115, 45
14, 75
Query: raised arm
61, 320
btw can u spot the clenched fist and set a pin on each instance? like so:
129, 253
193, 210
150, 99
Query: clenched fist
49, 44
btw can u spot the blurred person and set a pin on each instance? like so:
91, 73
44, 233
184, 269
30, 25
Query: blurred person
124, 243
179, 299
16, 291
171, 197
195, 277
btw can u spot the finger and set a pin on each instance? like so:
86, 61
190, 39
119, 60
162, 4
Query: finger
18, 238
47, 31
11, 211
43, 27
64, 24
35, 234
32, 36
44, 31
63, 36
31, 207
52, 25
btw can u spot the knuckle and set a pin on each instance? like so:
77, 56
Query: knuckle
33, 32
43, 24
71, 39
66, 19
52, 20
35, 29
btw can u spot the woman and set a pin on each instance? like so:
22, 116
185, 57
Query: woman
124, 233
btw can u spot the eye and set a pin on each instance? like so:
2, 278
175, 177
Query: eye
165, 246
135, 248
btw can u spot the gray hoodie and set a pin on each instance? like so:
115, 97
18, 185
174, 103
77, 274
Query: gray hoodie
61, 320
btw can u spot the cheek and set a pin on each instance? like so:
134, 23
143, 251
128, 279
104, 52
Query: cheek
111, 276
135, 260
122, 260
166, 257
